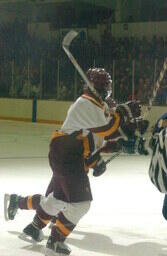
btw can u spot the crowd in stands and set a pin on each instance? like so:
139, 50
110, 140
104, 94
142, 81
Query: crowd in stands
34, 67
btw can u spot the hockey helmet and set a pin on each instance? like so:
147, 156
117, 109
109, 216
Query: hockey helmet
100, 79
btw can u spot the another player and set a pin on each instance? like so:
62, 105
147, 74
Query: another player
73, 150
158, 166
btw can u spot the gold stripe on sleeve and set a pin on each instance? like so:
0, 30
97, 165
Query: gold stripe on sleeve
112, 129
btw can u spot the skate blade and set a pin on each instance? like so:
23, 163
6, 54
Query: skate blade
6, 204
49, 252
27, 238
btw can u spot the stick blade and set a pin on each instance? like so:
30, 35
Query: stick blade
69, 37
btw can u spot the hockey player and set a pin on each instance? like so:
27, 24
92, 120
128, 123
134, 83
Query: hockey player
130, 146
158, 169
158, 166
73, 150
110, 147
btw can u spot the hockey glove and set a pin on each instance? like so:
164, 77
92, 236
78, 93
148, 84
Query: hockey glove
129, 111
138, 124
99, 168
92, 159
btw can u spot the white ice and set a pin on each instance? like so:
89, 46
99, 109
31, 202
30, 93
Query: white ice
125, 217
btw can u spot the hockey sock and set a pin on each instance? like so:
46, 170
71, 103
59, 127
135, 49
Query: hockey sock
29, 202
62, 228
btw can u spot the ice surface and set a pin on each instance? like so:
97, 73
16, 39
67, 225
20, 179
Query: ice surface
125, 217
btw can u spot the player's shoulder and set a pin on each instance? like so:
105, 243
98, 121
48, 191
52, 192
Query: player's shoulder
80, 104
88, 103
83, 101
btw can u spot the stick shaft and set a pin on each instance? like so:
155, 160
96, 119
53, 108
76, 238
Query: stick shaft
112, 157
66, 43
77, 66
156, 88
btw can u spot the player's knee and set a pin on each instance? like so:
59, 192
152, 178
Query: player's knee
75, 211
82, 209
51, 205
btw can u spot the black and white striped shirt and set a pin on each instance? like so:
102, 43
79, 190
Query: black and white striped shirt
158, 165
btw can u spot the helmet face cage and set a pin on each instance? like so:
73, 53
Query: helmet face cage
101, 80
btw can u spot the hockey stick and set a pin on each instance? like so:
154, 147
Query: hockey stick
66, 44
112, 157
156, 88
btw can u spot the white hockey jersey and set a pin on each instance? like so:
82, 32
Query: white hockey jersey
88, 115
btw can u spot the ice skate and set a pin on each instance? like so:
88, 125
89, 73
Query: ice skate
55, 248
10, 206
32, 234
